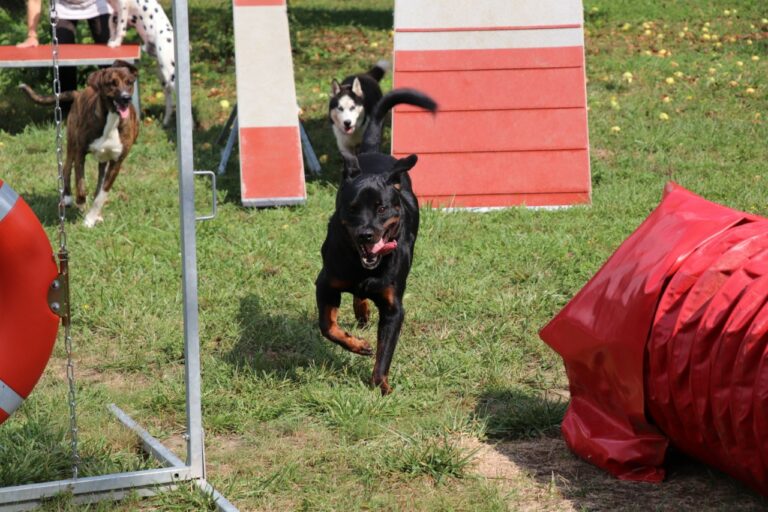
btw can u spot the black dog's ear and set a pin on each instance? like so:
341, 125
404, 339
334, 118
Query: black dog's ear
351, 165
335, 87
401, 166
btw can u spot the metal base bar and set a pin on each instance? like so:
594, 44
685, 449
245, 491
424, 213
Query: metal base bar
157, 450
151, 445
222, 503
93, 489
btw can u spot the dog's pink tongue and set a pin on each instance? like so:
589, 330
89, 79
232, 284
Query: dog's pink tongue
382, 247
123, 111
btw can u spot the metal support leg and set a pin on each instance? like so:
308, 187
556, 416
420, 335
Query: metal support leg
136, 99
227, 125
227, 151
306, 146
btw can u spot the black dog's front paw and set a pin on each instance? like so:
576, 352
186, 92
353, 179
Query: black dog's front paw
364, 349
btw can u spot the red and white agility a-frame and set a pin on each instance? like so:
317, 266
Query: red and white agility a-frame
510, 83
271, 166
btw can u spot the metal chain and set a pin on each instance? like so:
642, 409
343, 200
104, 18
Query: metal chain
63, 253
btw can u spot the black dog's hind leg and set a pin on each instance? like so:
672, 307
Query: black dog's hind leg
328, 301
391, 315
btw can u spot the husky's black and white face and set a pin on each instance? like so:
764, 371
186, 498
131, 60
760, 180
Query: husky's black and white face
346, 107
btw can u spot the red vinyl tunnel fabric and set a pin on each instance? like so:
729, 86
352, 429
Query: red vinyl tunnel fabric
667, 343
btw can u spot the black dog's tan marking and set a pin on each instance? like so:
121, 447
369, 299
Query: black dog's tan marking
329, 326
368, 250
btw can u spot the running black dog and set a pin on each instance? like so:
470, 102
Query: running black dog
369, 247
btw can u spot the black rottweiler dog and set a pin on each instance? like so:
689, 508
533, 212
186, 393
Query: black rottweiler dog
369, 247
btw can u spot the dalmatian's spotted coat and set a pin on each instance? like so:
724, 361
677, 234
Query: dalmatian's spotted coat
156, 31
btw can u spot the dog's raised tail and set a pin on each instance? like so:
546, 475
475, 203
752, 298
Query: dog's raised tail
379, 69
46, 100
372, 137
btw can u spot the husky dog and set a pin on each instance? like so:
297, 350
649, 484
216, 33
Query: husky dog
351, 103
155, 31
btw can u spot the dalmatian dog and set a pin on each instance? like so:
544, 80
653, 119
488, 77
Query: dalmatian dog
156, 31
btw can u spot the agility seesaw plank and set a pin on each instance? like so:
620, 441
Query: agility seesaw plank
69, 55
271, 166
509, 81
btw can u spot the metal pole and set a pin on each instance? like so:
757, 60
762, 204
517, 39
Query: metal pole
184, 145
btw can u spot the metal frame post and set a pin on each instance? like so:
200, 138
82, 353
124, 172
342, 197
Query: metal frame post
184, 152
149, 482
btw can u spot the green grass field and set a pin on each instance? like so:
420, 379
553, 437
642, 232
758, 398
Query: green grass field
677, 91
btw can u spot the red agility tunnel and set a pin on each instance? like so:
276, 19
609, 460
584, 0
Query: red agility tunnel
27, 325
668, 343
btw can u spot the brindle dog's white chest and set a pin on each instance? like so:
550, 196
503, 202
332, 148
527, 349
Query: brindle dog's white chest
108, 146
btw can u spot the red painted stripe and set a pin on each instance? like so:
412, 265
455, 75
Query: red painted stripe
258, 3
507, 130
502, 200
499, 89
490, 29
505, 58
501, 173
69, 52
270, 163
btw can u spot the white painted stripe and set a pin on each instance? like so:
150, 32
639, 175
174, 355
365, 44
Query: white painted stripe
486, 13
8, 198
9, 399
46, 63
266, 92
274, 201
488, 39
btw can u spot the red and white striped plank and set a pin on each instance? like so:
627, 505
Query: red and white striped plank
413, 15
271, 165
510, 85
489, 130
494, 58
478, 173
482, 202
522, 89
69, 55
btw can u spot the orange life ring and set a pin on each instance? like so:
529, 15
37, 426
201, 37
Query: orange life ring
28, 326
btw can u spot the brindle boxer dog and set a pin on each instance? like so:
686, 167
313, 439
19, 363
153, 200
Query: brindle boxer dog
102, 122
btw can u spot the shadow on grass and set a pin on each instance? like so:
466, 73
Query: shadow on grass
309, 17
287, 346
524, 429
46, 206
516, 414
